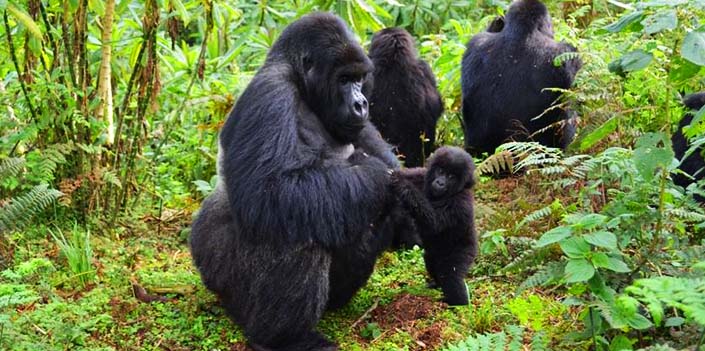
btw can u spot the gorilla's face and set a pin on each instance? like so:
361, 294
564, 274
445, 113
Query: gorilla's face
442, 183
450, 172
334, 80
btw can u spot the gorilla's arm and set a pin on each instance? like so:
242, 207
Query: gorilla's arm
279, 190
371, 142
415, 202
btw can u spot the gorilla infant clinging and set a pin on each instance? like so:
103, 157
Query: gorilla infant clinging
445, 217
305, 180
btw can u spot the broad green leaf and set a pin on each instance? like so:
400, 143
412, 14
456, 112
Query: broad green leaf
554, 235
682, 69
600, 259
625, 21
639, 322
635, 60
658, 3
674, 322
97, 6
600, 289
590, 221
617, 265
24, 18
602, 239
598, 134
621, 343
3, 5
575, 247
693, 48
578, 270
660, 21
653, 151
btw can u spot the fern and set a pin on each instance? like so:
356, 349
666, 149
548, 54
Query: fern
43, 163
685, 294
536, 215
22, 208
565, 57
496, 163
510, 339
11, 167
685, 215
553, 271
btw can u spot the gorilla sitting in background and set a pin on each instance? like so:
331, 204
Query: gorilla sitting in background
505, 73
692, 164
296, 222
444, 212
404, 104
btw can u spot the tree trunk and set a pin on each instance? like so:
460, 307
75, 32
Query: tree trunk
105, 90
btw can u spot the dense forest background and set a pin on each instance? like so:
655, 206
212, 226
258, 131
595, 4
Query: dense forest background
109, 112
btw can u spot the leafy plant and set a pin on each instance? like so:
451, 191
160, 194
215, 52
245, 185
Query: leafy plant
78, 253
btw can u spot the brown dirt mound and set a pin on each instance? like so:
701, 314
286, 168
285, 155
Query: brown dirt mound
405, 313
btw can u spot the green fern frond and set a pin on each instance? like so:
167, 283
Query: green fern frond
510, 339
553, 271
565, 57
11, 167
685, 215
43, 163
536, 215
109, 177
22, 208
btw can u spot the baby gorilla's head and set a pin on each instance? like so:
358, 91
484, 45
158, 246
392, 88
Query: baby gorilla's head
450, 171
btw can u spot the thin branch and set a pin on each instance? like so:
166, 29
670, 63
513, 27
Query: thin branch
13, 55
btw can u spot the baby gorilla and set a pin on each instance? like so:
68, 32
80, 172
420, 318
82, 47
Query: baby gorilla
444, 215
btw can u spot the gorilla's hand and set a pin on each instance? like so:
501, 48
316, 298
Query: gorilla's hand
410, 198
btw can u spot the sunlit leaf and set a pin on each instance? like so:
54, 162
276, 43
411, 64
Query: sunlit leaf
693, 48
575, 247
578, 270
553, 236
24, 18
625, 21
660, 21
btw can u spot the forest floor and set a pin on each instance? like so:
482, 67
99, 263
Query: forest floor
148, 295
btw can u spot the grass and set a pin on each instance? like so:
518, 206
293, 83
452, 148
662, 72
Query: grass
43, 308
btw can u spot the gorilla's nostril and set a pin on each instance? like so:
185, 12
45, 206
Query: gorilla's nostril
358, 107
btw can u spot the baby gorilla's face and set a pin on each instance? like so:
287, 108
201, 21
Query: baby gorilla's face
442, 183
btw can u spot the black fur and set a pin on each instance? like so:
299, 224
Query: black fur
504, 73
298, 218
405, 102
694, 163
445, 217
496, 25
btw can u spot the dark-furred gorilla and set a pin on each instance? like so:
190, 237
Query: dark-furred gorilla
694, 163
404, 103
505, 72
304, 184
445, 217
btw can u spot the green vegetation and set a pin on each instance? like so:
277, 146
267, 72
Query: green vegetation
109, 112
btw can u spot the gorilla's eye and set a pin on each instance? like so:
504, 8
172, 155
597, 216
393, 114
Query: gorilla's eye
349, 78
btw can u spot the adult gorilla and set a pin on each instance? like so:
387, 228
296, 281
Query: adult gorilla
405, 102
505, 72
304, 182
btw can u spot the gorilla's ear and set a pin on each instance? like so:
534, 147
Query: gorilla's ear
470, 182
